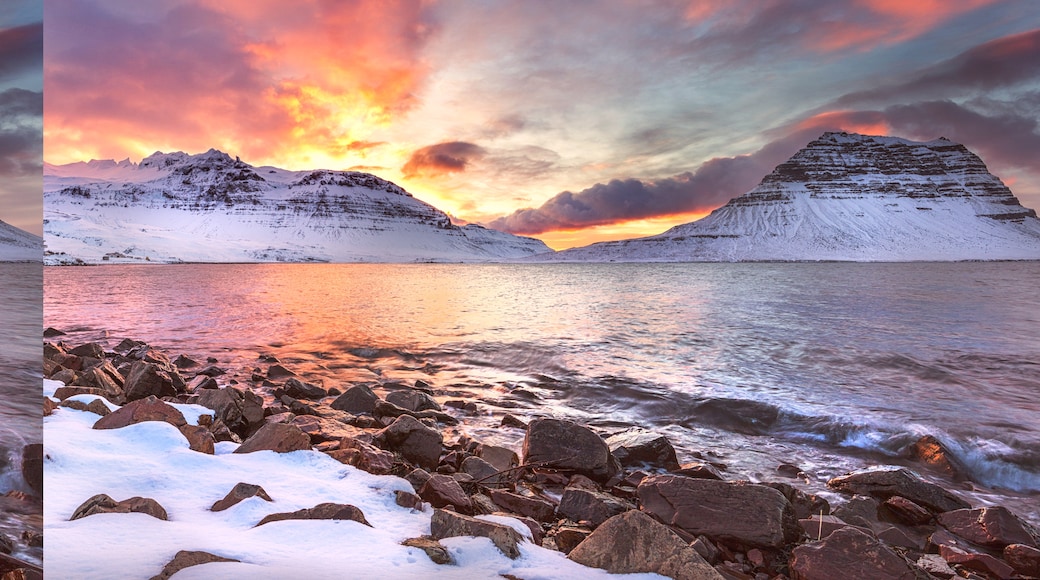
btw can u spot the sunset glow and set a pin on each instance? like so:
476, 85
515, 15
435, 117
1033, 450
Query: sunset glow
571, 125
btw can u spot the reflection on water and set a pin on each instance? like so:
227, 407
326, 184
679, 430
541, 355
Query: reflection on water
844, 362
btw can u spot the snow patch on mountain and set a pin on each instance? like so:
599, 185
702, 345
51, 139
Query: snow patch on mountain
17, 245
849, 197
176, 207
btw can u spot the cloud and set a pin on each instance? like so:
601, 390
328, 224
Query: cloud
442, 158
21, 49
21, 133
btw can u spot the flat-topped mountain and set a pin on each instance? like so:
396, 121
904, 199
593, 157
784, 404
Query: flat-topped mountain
852, 197
174, 207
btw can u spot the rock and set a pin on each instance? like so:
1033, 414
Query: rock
444, 490
500, 458
277, 372
979, 562
407, 500
199, 438
300, 390
818, 527
386, 409
321, 429
140, 410
848, 553
62, 393
97, 406
184, 362
633, 542
752, 515
150, 379
363, 456
445, 524
51, 332
103, 504
860, 510
804, 505
32, 466
200, 382
105, 377
417, 477
905, 511
591, 506
509, 420
413, 400
992, 527
568, 537
48, 406
322, 511
238, 493
239, 410
277, 437
638, 447
434, 549
566, 445
885, 483
536, 508
212, 371
356, 400
90, 349
896, 537
12, 568
706, 548
482, 471
931, 451
186, 559
936, 566
1024, 559
700, 471
413, 440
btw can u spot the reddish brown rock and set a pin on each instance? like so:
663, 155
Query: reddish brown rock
200, 382
752, 515
931, 451
277, 372
415, 441
186, 559
97, 406
979, 562
151, 379
240, 492
992, 527
848, 553
482, 471
445, 524
818, 527
238, 410
591, 506
434, 549
147, 409
700, 470
322, 511
103, 504
62, 393
48, 406
634, 542
501, 458
199, 438
105, 377
568, 537
1024, 559
887, 482
444, 490
32, 466
277, 437
904, 511
363, 456
641, 447
413, 400
536, 508
566, 445
298, 389
357, 399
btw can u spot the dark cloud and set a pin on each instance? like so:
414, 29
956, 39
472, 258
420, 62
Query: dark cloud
450, 157
21, 49
21, 133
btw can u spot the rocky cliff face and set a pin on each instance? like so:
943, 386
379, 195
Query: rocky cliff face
856, 198
209, 207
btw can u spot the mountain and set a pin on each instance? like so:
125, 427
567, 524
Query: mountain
175, 207
17, 245
851, 197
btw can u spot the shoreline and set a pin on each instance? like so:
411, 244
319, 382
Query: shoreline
562, 501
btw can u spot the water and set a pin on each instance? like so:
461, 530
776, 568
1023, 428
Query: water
828, 366
21, 318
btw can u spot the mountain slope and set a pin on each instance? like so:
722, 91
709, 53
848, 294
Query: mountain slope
851, 197
17, 245
212, 208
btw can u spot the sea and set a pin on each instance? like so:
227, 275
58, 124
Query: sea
21, 371
830, 367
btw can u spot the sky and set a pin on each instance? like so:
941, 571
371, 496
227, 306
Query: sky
572, 122
21, 114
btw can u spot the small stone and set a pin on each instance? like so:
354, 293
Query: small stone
240, 492
434, 549
536, 508
356, 400
185, 559
199, 438
322, 511
700, 470
444, 490
445, 524
1024, 559
277, 372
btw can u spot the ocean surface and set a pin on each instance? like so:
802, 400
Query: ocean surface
829, 366
21, 373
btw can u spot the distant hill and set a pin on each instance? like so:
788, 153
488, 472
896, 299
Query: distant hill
17, 245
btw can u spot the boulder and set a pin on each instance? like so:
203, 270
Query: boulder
322, 511
199, 438
186, 559
413, 440
591, 506
988, 565
992, 527
566, 445
277, 372
818, 527
105, 377
443, 490
147, 409
103, 504
1024, 559
200, 382
97, 406
700, 470
434, 549
150, 379
633, 542
805, 505
298, 389
277, 437
365, 457
848, 553
932, 452
238, 493
413, 400
90, 349
356, 400
238, 410
641, 447
887, 482
534, 507
500, 458
32, 466
446, 524
904, 511
748, 514
482, 471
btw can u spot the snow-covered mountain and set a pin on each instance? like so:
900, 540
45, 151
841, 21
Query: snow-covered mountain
18, 245
175, 207
851, 197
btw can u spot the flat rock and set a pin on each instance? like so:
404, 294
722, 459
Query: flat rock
356, 400
699, 470
634, 542
887, 482
804, 504
818, 527
365, 457
434, 549
277, 437
752, 515
322, 511
146, 409
905, 511
591, 506
298, 389
641, 447
415, 441
1024, 559
152, 379
566, 445
443, 490
413, 400
501, 458
992, 527
539, 509
186, 559
103, 504
446, 524
240, 492
848, 553
978, 562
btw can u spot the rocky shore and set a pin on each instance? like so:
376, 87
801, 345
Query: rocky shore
623, 503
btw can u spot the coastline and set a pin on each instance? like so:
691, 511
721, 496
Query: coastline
412, 439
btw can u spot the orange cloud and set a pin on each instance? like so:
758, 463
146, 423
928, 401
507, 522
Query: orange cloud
863, 122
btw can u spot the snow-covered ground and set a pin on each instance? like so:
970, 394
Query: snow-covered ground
212, 208
152, 459
17, 245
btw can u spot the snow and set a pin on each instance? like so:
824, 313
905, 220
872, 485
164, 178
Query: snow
175, 207
17, 245
152, 459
